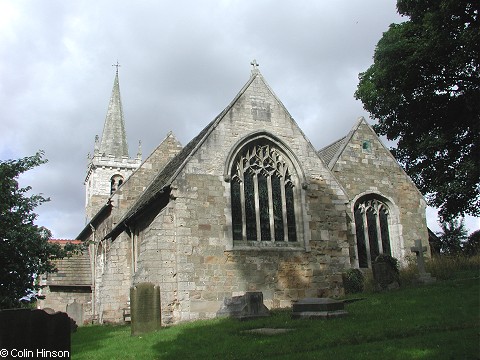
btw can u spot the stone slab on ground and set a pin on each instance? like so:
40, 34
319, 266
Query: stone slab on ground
244, 307
267, 331
321, 308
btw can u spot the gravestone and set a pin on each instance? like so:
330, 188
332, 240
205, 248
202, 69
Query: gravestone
145, 310
244, 307
423, 276
318, 308
385, 273
34, 334
75, 311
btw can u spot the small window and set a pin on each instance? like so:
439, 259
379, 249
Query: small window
115, 182
367, 146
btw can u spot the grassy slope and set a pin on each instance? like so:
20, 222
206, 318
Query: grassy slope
439, 321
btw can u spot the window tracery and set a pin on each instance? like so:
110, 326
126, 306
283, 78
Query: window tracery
372, 230
263, 196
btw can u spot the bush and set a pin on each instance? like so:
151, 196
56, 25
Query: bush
353, 281
472, 246
385, 258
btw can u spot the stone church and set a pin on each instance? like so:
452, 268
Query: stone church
249, 204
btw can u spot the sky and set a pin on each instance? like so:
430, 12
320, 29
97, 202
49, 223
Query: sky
182, 62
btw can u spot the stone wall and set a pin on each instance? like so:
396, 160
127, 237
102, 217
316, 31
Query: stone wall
58, 299
366, 166
188, 248
113, 279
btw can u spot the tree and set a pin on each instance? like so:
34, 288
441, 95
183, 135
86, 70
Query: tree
472, 246
452, 237
24, 246
424, 90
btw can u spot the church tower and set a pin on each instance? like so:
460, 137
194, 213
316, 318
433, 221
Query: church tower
110, 164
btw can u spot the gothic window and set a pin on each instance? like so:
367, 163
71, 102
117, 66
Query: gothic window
262, 196
115, 182
371, 227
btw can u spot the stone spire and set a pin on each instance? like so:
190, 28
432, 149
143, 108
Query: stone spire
110, 166
114, 139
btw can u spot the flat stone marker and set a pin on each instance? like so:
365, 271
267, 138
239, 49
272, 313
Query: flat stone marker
75, 311
244, 307
318, 308
145, 308
423, 277
267, 331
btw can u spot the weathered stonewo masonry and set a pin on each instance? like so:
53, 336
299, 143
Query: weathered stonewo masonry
249, 205
366, 168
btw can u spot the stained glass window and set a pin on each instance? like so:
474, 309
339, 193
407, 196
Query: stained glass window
277, 209
263, 196
371, 229
361, 248
250, 216
236, 210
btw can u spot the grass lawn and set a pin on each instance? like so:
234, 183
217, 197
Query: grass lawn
438, 321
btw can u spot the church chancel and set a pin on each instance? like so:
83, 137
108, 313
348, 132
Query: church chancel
249, 204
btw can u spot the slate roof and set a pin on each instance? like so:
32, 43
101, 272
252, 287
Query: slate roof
72, 271
329, 152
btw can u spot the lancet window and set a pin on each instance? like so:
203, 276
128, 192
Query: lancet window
372, 230
263, 196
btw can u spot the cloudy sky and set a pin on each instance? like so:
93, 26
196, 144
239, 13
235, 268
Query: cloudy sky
181, 64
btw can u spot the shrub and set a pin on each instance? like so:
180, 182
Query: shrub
353, 281
385, 258
472, 246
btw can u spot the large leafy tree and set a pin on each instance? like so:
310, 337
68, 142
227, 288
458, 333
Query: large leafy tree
24, 246
424, 90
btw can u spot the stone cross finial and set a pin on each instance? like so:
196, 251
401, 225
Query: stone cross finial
117, 65
418, 249
255, 66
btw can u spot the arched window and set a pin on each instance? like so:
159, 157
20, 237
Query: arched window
372, 230
115, 182
262, 195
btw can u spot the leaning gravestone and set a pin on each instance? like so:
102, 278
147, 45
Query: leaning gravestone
75, 311
34, 334
145, 308
318, 308
248, 306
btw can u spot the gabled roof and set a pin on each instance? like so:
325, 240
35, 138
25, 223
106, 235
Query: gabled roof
168, 174
339, 146
160, 186
114, 138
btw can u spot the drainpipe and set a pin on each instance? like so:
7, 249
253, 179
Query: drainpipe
94, 272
